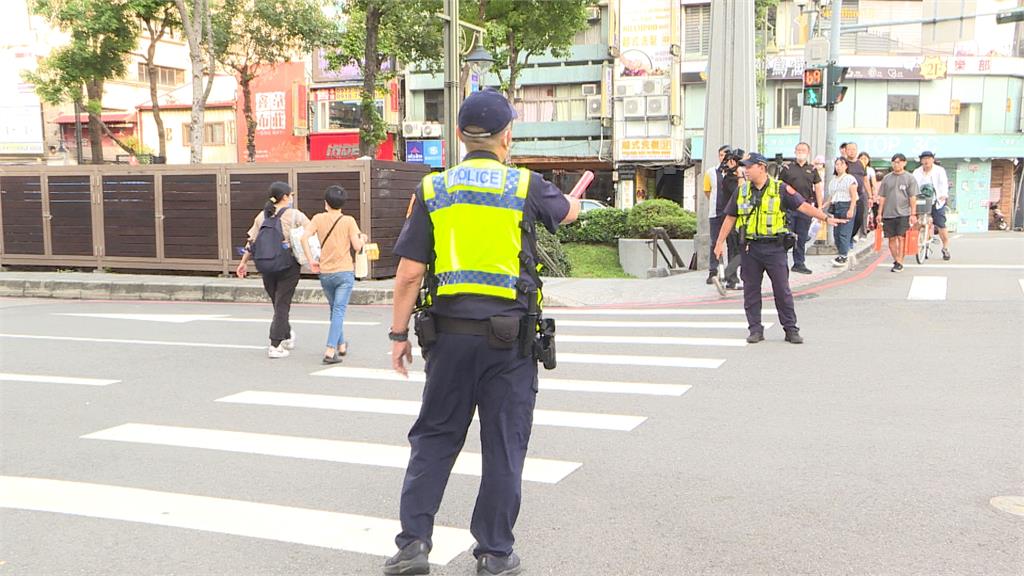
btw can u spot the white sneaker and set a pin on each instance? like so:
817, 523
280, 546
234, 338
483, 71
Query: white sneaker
277, 351
289, 344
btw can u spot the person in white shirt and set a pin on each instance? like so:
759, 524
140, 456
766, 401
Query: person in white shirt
934, 175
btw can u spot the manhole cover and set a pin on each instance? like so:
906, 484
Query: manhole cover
1011, 504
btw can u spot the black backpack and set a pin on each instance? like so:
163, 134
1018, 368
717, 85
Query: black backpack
269, 251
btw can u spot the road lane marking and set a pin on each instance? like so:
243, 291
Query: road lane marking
6, 376
546, 384
468, 463
627, 360
974, 266
556, 312
644, 324
1021, 284
653, 340
126, 341
927, 288
592, 421
321, 528
186, 318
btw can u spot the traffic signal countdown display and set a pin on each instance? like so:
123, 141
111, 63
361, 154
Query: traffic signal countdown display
823, 86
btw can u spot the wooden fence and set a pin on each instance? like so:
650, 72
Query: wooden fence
182, 217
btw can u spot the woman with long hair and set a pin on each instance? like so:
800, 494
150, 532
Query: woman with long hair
268, 246
842, 203
339, 237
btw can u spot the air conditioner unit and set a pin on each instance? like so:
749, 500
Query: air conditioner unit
412, 129
432, 130
623, 90
593, 106
593, 13
657, 106
652, 87
590, 89
634, 107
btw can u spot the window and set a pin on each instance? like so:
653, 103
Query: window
788, 100
589, 35
969, 119
216, 134
903, 110
552, 103
433, 106
165, 76
697, 31
342, 114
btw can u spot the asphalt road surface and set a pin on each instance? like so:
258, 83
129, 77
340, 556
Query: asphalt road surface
157, 438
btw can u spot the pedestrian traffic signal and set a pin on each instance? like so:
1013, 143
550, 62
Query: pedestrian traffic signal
814, 86
836, 91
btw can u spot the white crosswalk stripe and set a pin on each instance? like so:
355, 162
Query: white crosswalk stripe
660, 312
629, 360
40, 379
927, 288
597, 386
651, 340
411, 408
655, 325
535, 470
348, 532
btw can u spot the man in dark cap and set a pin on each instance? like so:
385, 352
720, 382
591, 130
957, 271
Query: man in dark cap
758, 210
470, 243
931, 174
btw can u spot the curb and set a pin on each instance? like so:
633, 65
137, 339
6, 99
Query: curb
157, 291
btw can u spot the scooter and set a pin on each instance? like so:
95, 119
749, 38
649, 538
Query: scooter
996, 219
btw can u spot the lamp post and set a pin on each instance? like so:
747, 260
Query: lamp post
452, 68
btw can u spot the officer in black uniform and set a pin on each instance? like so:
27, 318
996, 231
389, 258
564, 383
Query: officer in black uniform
760, 204
802, 177
470, 366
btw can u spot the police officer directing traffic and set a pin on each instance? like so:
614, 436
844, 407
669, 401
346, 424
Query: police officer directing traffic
471, 235
758, 210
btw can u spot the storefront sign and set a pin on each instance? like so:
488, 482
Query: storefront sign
21, 123
973, 180
279, 109
345, 146
429, 152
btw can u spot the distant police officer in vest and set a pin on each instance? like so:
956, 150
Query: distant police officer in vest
470, 234
758, 210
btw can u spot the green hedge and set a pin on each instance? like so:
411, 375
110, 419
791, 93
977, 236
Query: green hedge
549, 244
660, 213
602, 226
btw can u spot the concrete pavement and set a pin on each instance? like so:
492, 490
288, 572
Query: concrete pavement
681, 288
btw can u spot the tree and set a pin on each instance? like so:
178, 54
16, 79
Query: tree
253, 34
197, 24
518, 29
378, 32
159, 17
102, 33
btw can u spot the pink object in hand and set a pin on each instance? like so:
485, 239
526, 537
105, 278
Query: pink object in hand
581, 186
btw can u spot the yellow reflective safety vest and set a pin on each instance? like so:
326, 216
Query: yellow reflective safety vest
761, 220
476, 208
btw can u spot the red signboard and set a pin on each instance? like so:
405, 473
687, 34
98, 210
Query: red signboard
279, 109
345, 146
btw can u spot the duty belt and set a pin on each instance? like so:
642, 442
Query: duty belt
450, 325
766, 239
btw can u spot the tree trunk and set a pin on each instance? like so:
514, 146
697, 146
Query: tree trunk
94, 92
245, 79
513, 67
193, 23
371, 66
150, 56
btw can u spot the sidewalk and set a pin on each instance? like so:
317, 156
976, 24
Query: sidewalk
681, 289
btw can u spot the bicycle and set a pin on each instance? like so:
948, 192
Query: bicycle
924, 228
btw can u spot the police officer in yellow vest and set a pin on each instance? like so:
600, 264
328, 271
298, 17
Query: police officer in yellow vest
758, 210
470, 234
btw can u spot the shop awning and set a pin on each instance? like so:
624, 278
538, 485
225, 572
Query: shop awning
111, 118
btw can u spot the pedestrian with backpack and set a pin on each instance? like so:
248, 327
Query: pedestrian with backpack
338, 236
268, 247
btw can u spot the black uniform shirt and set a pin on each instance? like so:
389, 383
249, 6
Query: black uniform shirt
803, 178
545, 204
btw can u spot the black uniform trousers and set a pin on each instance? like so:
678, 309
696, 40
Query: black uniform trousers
464, 375
800, 224
732, 250
280, 287
759, 258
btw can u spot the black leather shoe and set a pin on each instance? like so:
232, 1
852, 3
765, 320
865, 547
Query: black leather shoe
755, 337
336, 359
801, 269
794, 337
490, 565
711, 279
410, 560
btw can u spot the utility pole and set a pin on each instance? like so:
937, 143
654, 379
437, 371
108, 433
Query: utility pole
832, 119
452, 93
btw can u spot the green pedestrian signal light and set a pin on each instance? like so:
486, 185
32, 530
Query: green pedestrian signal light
814, 87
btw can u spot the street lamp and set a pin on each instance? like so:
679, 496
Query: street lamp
452, 71
481, 58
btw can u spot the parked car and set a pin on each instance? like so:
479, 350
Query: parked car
586, 205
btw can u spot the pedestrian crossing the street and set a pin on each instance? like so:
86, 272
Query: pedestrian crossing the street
676, 352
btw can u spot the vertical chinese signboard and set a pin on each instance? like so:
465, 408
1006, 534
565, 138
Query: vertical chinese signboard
644, 90
279, 109
973, 180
